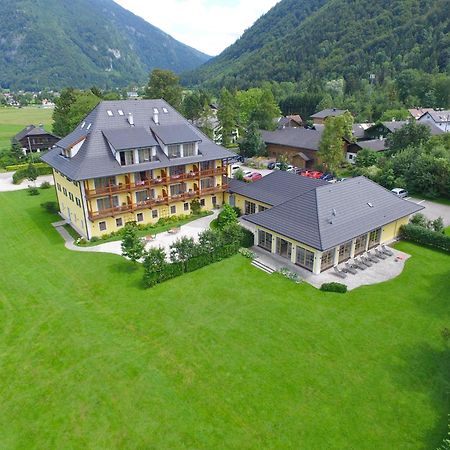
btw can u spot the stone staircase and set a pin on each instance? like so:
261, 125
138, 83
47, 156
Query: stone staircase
261, 266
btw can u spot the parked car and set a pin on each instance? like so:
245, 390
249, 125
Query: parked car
290, 168
327, 176
254, 176
235, 168
399, 192
272, 165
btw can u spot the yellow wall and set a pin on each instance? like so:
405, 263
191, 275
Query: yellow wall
69, 209
239, 201
392, 230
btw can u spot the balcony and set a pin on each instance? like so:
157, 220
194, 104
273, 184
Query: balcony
129, 187
152, 203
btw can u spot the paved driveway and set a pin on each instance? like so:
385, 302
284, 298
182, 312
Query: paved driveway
433, 210
7, 185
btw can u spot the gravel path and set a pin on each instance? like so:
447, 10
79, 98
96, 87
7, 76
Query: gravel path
7, 185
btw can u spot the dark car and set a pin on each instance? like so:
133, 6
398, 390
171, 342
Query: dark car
327, 177
271, 165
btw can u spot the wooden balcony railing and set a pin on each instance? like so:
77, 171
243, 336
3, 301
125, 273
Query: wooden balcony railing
148, 184
152, 203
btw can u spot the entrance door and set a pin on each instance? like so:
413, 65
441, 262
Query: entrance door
284, 248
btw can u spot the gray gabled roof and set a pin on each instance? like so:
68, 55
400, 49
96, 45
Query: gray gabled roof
275, 188
328, 113
176, 133
129, 138
31, 130
438, 116
95, 157
294, 137
398, 124
377, 145
331, 215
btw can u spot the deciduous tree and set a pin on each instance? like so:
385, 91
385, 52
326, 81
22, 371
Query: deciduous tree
166, 85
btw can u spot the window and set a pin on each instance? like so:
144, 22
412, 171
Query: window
154, 213
265, 240
104, 182
207, 183
206, 165
58, 186
127, 158
327, 259
140, 217
173, 209
202, 202
360, 244
374, 238
110, 113
71, 196
119, 222
174, 151
177, 170
102, 226
65, 191
214, 200
144, 155
105, 203
305, 258
344, 251
189, 149
186, 206
250, 207
177, 189
261, 208
120, 112
78, 202
143, 196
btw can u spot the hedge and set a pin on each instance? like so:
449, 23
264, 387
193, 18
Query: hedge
248, 239
22, 174
425, 236
334, 287
23, 166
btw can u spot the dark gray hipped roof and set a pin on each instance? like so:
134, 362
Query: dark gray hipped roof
397, 125
328, 112
377, 145
175, 134
330, 215
95, 157
294, 137
126, 138
275, 188
31, 130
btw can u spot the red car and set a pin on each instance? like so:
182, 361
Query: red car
254, 176
312, 174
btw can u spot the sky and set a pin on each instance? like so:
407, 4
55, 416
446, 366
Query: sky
207, 25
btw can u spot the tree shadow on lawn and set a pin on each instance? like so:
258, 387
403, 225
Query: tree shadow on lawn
413, 374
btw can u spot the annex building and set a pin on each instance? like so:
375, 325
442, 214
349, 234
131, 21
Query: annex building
318, 225
137, 161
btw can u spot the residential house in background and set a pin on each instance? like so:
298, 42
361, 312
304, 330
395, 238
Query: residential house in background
135, 161
382, 129
437, 118
321, 116
292, 121
417, 113
35, 139
317, 225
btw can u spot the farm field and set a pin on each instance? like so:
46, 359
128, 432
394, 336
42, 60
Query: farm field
12, 120
226, 357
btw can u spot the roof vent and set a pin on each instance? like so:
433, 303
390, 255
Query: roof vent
333, 212
165, 111
89, 126
131, 119
370, 205
83, 124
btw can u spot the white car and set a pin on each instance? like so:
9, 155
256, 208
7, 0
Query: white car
235, 168
399, 192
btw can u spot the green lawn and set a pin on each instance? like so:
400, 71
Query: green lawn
12, 120
224, 358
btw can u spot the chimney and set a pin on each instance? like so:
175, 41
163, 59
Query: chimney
156, 116
131, 119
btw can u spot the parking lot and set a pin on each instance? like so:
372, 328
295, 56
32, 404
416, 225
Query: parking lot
433, 210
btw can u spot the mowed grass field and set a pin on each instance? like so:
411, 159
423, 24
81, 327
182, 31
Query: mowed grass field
227, 357
12, 120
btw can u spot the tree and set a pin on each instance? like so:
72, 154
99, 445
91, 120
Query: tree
397, 114
154, 264
252, 144
366, 158
210, 241
132, 246
183, 249
16, 151
228, 115
84, 103
32, 173
331, 147
232, 234
412, 134
195, 105
61, 111
196, 208
166, 85
226, 217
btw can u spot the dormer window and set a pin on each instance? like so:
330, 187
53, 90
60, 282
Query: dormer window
189, 149
127, 158
174, 151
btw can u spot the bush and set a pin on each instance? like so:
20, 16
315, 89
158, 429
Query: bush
334, 287
293, 276
45, 185
424, 236
33, 190
197, 262
51, 207
226, 217
237, 210
248, 239
247, 253
15, 167
95, 239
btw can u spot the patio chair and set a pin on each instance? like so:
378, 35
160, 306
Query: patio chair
372, 258
350, 269
339, 272
387, 251
380, 255
359, 264
365, 261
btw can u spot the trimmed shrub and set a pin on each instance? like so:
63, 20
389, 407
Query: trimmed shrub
45, 185
334, 287
249, 238
15, 167
424, 236
51, 207
22, 174
197, 262
33, 190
